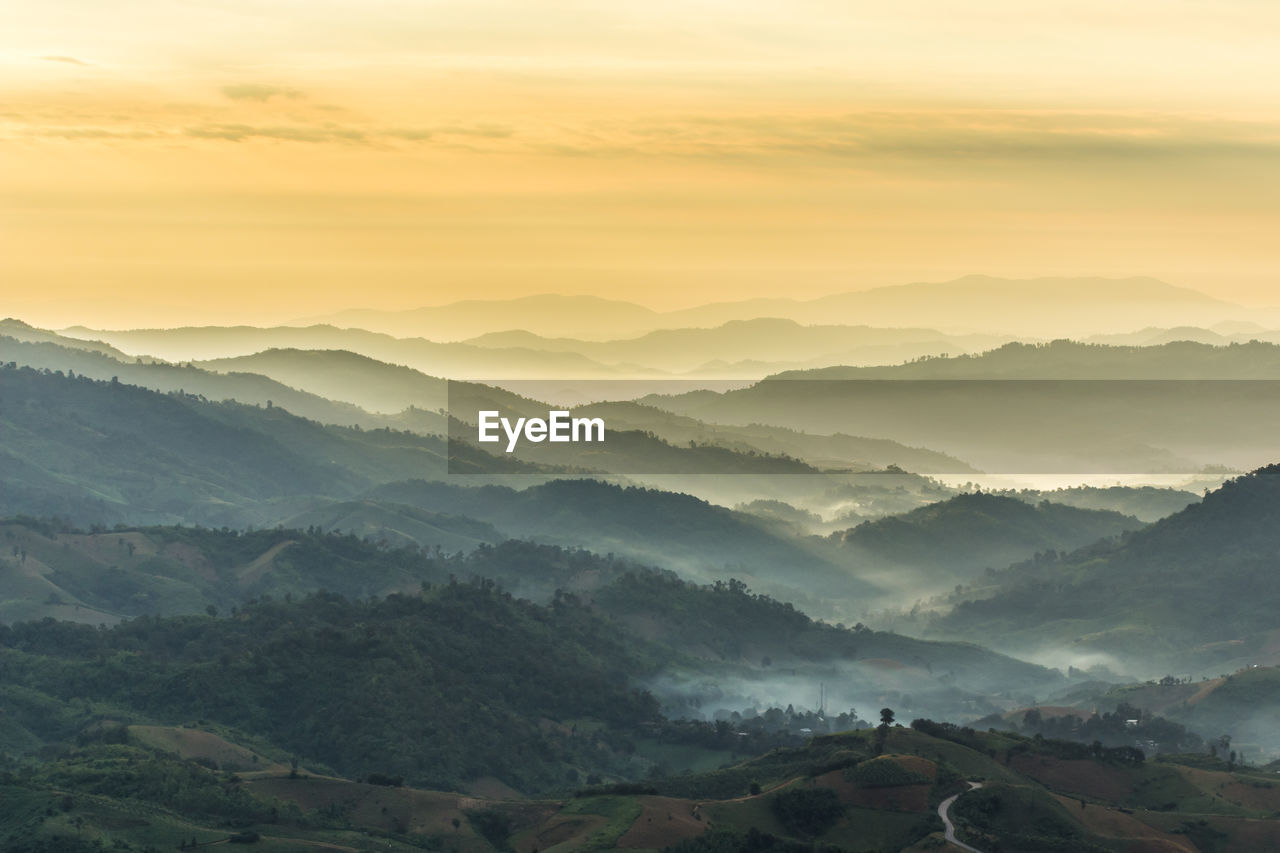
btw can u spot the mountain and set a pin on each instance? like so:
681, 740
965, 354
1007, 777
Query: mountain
1146, 503
452, 360
544, 314
126, 573
62, 355
697, 539
933, 548
1060, 408
353, 390
107, 452
488, 667
110, 452
1188, 594
296, 721
450, 640
710, 622
1239, 332
758, 341
17, 330
838, 451
379, 387
1065, 359
105, 576
345, 376
1039, 307
1152, 336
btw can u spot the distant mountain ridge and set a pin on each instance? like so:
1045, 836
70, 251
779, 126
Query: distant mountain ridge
1040, 307
1066, 359
740, 348
1062, 407
763, 340
454, 360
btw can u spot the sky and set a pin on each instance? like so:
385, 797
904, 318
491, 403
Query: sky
253, 161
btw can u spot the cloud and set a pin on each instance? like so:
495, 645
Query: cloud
873, 136
70, 60
258, 92
88, 133
875, 139
290, 133
412, 134
476, 131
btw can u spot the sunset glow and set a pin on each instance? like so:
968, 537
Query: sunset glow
267, 161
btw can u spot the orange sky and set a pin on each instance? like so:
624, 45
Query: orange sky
258, 161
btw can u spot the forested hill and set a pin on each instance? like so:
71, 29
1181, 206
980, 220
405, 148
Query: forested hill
47, 351
726, 621
453, 679
675, 531
972, 532
105, 451
1195, 589
1066, 359
438, 688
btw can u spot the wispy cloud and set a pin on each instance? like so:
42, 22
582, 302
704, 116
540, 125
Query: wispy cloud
476, 131
70, 60
1011, 136
881, 140
290, 133
258, 92
89, 133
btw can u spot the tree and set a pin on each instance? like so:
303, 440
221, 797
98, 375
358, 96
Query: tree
882, 730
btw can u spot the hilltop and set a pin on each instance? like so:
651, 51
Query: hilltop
948, 542
1187, 593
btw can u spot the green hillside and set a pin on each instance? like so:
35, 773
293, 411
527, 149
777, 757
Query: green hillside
139, 788
935, 547
1191, 592
675, 531
106, 451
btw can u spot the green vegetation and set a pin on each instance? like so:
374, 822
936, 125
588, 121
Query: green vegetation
1191, 590
751, 841
883, 773
621, 813
956, 538
108, 452
1015, 817
807, 812
459, 678
1146, 503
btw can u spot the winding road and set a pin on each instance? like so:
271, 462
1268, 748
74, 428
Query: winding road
944, 807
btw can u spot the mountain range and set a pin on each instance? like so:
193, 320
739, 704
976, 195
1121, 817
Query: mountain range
1189, 594
1040, 307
